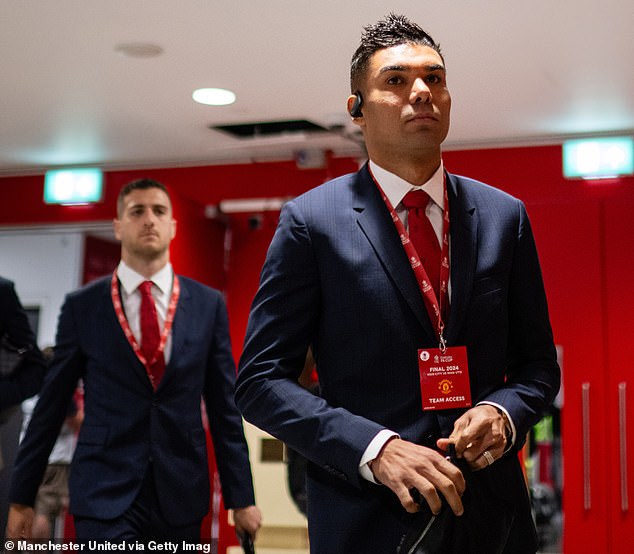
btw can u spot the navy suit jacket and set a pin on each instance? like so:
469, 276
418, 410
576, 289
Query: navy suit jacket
337, 277
127, 424
26, 379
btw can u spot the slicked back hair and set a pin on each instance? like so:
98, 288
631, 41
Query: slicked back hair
385, 33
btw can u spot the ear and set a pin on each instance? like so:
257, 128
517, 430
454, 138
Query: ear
350, 104
352, 99
116, 225
173, 232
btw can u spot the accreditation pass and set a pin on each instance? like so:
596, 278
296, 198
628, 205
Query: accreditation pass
444, 378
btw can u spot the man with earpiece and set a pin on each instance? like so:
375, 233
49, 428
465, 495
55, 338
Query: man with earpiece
420, 293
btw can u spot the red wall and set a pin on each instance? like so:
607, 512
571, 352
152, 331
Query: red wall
571, 220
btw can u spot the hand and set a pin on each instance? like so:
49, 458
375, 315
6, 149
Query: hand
248, 520
403, 465
19, 522
480, 429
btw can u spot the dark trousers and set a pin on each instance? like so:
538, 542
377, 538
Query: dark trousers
142, 521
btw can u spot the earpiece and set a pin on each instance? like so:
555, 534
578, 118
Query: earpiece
355, 110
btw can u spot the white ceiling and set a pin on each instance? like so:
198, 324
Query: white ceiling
520, 72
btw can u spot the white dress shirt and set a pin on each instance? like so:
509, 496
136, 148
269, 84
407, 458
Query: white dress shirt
131, 298
395, 189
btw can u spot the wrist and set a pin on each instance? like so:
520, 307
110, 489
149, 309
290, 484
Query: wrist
375, 463
508, 429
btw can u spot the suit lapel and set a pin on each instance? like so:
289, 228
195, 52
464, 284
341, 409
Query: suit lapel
179, 327
464, 243
375, 222
374, 219
110, 317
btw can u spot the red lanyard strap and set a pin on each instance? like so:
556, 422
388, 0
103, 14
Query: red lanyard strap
435, 306
167, 327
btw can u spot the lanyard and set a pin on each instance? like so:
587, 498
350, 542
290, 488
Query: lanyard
434, 306
167, 327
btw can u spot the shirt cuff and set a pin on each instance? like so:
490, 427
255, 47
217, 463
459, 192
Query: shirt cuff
372, 451
508, 418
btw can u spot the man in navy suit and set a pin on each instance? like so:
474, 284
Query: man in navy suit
344, 276
140, 466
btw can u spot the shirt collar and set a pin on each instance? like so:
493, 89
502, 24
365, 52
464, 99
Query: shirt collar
130, 279
396, 188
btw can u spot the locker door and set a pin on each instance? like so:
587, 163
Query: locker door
568, 236
619, 291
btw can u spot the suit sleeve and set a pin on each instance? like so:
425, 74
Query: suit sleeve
533, 375
26, 379
225, 421
50, 411
283, 323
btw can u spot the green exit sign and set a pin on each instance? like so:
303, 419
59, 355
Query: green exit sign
598, 158
73, 186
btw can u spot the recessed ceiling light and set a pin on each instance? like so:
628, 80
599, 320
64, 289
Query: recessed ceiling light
214, 96
138, 49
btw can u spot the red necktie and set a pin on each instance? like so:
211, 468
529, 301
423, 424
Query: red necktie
150, 332
423, 236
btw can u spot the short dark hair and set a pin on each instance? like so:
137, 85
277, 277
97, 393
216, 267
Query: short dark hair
385, 33
139, 184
